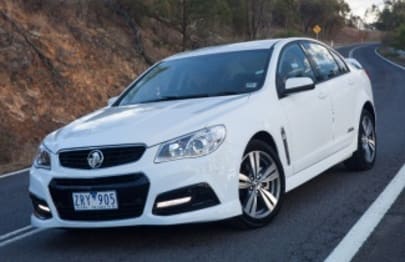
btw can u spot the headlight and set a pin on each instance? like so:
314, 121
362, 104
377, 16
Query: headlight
196, 144
43, 158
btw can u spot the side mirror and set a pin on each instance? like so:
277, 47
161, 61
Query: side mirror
354, 63
112, 100
298, 84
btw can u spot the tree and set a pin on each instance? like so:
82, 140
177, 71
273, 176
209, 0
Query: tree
330, 14
285, 13
392, 15
250, 16
189, 17
399, 37
392, 20
257, 14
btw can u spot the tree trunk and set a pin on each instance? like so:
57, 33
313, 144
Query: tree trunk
120, 10
184, 23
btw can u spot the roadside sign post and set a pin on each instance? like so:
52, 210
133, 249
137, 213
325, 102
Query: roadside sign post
317, 29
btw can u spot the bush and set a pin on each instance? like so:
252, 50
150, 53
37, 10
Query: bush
399, 37
388, 38
288, 33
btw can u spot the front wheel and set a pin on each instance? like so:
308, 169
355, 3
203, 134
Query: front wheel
261, 185
365, 155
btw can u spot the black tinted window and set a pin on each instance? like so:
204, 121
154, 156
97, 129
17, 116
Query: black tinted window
342, 65
325, 65
293, 63
201, 76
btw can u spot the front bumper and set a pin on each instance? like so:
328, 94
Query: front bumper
212, 180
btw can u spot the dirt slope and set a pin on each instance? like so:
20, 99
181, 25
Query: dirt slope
58, 62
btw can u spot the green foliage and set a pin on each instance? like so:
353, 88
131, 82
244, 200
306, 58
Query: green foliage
399, 37
392, 16
329, 14
286, 13
197, 20
288, 33
249, 17
392, 20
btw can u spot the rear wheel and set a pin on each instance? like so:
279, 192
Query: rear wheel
365, 155
261, 185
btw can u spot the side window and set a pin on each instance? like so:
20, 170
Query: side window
325, 65
342, 65
293, 63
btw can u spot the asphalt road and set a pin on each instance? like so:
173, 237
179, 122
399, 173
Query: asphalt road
313, 220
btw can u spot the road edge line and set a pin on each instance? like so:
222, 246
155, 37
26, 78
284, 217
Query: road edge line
364, 227
14, 173
351, 52
15, 232
387, 60
19, 237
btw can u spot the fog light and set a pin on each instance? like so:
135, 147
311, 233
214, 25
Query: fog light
44, 208
173, 202
185, 199
41, 208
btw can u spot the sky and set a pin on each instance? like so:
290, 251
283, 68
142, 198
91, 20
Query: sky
359, 7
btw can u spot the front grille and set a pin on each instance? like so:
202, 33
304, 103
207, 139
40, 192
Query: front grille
132, 191
113, 156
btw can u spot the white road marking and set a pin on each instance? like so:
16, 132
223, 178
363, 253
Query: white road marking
18, 234
14, 173
387, 60
358, 234
351, 52
338, 46
21, 236
15, 232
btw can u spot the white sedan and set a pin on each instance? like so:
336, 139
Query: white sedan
216, 133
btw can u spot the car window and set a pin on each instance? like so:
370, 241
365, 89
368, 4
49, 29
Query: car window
342, 65
325, 65
201, 76
293, 63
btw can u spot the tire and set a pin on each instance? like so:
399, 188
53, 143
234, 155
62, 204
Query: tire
261, 189
365, 155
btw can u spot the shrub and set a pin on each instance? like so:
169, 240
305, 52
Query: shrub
288, 33
399, 37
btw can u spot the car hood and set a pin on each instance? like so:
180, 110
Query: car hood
149, 123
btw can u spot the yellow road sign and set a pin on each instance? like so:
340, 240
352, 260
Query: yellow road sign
317, 29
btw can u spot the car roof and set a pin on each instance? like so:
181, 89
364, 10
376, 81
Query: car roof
234, 47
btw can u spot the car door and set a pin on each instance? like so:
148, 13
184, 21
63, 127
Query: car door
308, 113
343, 96
338, 84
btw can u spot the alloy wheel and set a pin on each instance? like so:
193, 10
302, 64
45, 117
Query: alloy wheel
368, 138
259, 184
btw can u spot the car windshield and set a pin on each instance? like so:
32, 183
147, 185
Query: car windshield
201, 76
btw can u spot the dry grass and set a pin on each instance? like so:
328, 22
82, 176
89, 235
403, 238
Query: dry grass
13, 167
55, 67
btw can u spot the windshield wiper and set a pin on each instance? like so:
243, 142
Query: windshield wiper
170, 98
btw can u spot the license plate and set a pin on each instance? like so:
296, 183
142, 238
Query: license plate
95, 200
